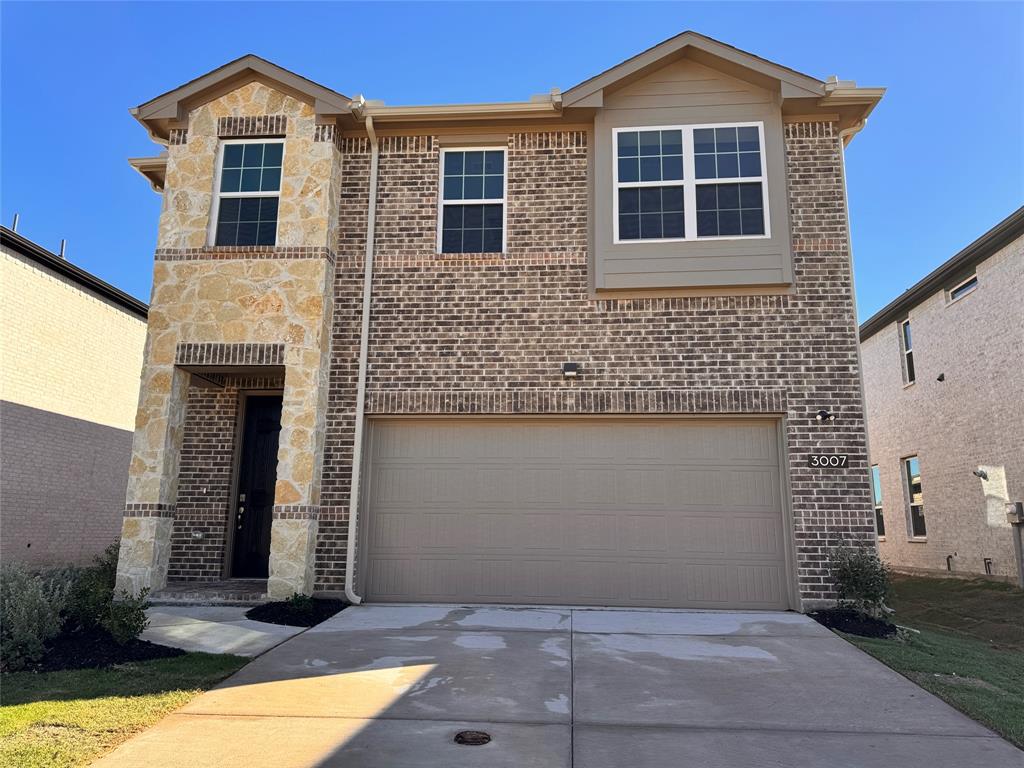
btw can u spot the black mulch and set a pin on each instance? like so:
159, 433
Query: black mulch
94, 648
853, 623
286, 612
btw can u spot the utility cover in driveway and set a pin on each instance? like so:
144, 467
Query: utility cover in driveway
618, 512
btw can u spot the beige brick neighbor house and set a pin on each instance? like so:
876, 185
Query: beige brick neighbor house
580, 349
945, 398
70, 358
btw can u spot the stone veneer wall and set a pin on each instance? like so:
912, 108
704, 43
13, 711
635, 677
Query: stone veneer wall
205, 295
487, 334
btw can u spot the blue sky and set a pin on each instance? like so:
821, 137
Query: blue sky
941, 161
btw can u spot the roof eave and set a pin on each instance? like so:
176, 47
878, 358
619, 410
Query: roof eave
999, 236
153, 169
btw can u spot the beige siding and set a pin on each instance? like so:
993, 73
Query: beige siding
646, 512
64, 350
686, 93
974, 418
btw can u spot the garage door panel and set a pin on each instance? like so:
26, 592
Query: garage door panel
618, 512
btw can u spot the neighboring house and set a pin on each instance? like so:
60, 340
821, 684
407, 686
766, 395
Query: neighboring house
945, 396
601, 326
71, 352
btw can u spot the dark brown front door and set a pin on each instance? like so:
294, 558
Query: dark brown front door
257, 474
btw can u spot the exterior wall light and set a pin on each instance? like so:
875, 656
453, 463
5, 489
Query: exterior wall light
571, 370
824, 415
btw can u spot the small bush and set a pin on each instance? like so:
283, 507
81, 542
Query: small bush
861, 579
301, 604
30, 613
126, 616
93, 602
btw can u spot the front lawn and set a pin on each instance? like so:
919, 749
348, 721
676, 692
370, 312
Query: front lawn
69, 718
970, 650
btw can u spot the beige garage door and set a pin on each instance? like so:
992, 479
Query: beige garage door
625, 512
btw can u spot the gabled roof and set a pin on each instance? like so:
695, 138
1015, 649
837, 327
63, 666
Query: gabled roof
1003, 233
800, 94
705, 50
170, 110
86, 280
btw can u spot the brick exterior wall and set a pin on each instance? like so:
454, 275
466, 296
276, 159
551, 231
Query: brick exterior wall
487, 333
974, 418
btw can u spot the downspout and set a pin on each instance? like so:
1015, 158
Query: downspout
364, 351
844, 136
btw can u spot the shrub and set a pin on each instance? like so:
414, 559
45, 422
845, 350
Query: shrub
301, 604
126, 616
861, 578
30, 612
93, 602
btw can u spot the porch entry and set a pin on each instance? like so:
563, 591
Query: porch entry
257, 476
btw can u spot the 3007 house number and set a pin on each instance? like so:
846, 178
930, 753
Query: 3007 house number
833, 461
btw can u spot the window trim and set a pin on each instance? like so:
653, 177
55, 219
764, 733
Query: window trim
877, 504
689, 183
441, 202
953, 299
907, 353
908, 498
211, 230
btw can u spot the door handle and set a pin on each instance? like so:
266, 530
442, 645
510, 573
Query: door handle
241, 511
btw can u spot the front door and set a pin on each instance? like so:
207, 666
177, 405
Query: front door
257, 474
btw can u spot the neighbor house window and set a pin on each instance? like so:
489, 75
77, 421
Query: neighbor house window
962, 289
693, 182
907, 347
915, 502
876, 495
248, 190
472, 215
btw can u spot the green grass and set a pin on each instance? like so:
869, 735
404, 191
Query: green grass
69, 718
970, 650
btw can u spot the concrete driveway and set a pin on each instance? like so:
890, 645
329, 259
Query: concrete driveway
392, 685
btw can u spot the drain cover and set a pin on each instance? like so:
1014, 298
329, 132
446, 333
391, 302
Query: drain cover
472, 738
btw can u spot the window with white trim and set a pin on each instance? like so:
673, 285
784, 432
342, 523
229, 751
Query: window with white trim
876, 496
915, 499
690, 182
248, 192
960, 290
907, 348
471, 218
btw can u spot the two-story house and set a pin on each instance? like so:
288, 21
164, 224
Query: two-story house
945, 399
578, 349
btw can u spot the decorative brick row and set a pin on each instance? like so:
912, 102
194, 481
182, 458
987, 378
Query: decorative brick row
328, 134
177, 136
226, 252
229, 354
571, 400
149, 510
296, 512
259, 125
470, 260
742, 304
816, 130
390, 145
548, 140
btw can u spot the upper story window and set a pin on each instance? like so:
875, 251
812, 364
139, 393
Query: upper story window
248, 190
915, 500
696, 182
472, 211
907, 347
962, 289
876, 497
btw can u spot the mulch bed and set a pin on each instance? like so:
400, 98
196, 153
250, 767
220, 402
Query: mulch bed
285, 612
94, 648
853, 623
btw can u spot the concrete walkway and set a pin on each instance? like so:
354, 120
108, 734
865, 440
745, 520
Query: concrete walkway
392, 685
214, 629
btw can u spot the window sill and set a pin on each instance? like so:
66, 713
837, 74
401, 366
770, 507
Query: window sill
917, 540
881, 538
909, 384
